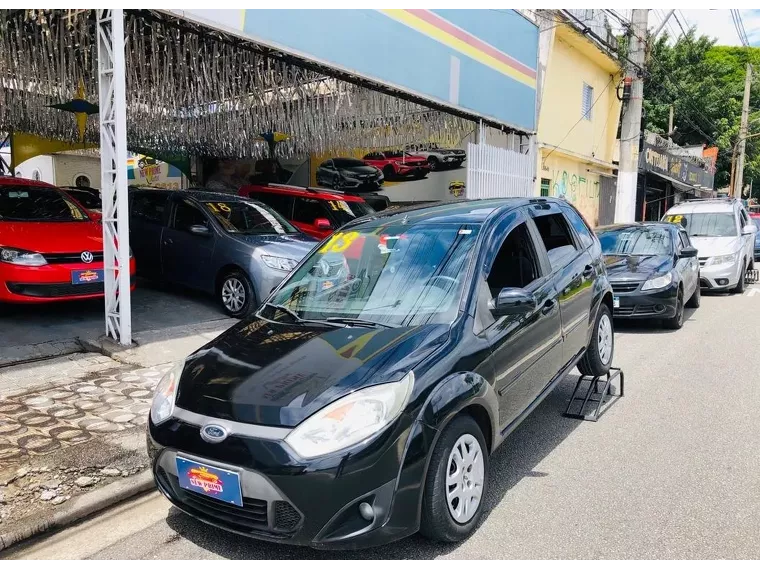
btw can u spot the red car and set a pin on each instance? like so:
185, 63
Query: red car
398, 164
316, 212
50, 247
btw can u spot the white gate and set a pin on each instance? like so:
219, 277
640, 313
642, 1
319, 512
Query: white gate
494, 172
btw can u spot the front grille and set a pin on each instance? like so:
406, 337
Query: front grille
638, 310
286, 517
624, 287
57, 290
624, 311
60, 258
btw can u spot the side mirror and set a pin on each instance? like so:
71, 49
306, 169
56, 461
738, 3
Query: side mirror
511, 301
200, 230
322, 223
688, 252
750, 229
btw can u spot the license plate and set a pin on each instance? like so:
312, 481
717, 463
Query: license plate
217, 483
615, 302
87, 276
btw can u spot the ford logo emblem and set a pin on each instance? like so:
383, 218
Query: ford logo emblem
214, 433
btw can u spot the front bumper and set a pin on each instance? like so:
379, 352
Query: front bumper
290, 500
660, 303
50, 283
719, 277
416, 170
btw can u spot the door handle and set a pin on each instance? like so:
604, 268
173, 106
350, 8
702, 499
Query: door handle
168, 241
547, 307
588, 272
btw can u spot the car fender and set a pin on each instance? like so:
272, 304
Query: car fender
601, 288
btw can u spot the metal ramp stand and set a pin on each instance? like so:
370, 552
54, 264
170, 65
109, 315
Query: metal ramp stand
752, 276
599, 385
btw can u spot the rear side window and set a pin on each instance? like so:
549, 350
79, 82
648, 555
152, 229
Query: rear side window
557, 238
148, 208
583, 231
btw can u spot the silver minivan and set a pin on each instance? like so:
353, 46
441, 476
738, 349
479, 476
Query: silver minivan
724, 236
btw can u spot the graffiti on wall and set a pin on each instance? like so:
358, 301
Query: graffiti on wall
573, 187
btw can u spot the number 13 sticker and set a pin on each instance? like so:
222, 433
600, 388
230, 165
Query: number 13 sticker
339, 242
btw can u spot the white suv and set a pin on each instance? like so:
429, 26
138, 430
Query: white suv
724, 236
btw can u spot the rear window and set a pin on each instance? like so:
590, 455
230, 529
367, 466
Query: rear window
33, 203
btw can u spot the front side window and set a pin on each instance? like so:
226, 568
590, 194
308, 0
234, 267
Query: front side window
33, 203
248, 218
557, 239
342, 211
394, 274
187, 215
87, 199
718, 224
580, 226
636, 241
307, 210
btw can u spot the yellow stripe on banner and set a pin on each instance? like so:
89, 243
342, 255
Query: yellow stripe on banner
447, 39
242, 19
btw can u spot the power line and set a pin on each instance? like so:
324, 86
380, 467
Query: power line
679, 22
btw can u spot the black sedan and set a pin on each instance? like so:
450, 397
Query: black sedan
349, 174
653, 270
362, 401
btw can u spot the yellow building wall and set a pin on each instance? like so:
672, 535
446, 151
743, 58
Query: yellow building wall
583, 146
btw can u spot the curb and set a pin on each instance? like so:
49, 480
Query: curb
79, 508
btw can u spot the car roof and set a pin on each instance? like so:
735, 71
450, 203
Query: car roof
15, 181
635, 224
696, 206
454, 211
316, 193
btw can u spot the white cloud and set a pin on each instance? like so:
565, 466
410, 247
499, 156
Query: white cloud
713, 22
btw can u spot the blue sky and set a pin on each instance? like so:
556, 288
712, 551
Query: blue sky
714, 23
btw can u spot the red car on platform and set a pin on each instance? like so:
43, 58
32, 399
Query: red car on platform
50, 247
315, 211
395, 165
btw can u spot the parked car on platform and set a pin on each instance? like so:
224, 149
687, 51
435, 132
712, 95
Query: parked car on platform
349, 174
228, 246
51, 249
755, 218
398, 165
316, 212
381, 381
723, 234
653, 270
437, 157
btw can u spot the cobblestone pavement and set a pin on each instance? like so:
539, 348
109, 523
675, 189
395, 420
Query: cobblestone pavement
49, 419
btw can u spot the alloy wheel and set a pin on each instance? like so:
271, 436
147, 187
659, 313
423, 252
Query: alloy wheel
233, 294
604, 338
464, 478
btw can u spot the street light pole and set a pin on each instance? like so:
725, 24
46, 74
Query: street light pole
739, 174
732, 191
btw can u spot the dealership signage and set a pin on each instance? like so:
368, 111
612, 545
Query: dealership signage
660, 161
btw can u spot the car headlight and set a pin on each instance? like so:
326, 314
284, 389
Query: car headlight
658, 282
721, 259
351, 419
162, 407
279, 263
19, 257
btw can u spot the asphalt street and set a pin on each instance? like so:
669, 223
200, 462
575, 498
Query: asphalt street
671, 470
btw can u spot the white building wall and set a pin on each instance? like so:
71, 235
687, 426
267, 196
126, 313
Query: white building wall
37, 168
69, 166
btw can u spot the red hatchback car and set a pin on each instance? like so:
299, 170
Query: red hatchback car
50, 248
398, 164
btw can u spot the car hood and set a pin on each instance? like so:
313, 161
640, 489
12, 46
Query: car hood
52, 237
636, 268
279, 374
714, 246
296, 243
354, 170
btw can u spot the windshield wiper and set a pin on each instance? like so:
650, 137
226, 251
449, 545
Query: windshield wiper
297, 318
358, 322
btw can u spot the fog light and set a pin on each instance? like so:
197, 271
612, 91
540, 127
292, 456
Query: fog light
366, 511
659, 308
722, 282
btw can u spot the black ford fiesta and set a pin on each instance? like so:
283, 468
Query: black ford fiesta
653, 269
360, 404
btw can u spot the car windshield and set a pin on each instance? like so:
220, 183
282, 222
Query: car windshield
343, 211
87, 199
248, 218
347, 162
720, 224
34, 203
636, 241
394, 274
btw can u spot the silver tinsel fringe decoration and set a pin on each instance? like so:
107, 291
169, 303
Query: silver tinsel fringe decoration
191, 92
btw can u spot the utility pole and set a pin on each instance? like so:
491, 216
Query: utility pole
739, 177
670, 124
630, 130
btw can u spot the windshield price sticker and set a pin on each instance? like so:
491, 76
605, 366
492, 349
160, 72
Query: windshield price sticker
674, 218
217, 207
339, 242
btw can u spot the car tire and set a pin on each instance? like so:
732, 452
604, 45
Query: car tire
676, 322
461, 436
598, 357
741, 285
389, 172
696, 297
236, 294
435, 164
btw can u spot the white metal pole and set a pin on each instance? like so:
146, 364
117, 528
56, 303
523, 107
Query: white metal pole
113, 176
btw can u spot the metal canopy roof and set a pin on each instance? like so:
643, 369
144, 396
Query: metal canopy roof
198, 91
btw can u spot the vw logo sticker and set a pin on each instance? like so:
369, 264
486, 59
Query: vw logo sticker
214, 433
86, 257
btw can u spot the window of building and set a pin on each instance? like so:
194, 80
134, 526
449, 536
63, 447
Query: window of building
82, 181
588, 101
546, 185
